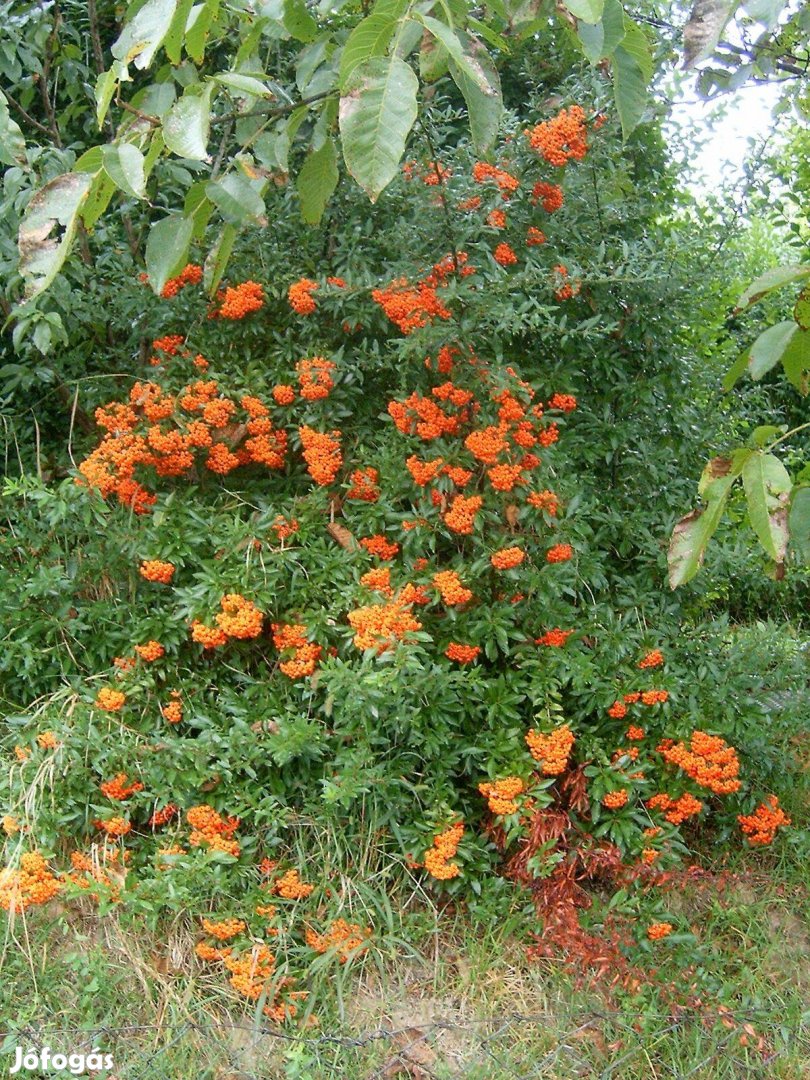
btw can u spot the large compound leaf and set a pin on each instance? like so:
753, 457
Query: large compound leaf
12, 143
377, 112
188, 124
482, 93
167, 249
767, 487
48, 227
772, 279
144, 33
316, 181
632, 71
702, 32
371, 36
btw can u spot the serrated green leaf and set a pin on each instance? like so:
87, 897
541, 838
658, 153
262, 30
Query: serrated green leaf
769, 347
467, 62
588, 11
48, 227
801, 311
98, 198
371, 36
217, 258
770, 280
237, 200
704, 27
796, 361
377, 112
244, 84
124, 165
767, 486
12, 142
143, 35
106, 85
799, 524
632, 71
188, 124
298, 22
736, 371
199, 25
316, 181
173, 42
167, 249
484, 108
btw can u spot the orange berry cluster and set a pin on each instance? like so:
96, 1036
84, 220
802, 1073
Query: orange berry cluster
410, 307
378, 546
151, 651
110, 700
535, 237
652, 659
501, 795
155, 570
462, 654
658, 930
504, 255
364, 485
550, 195
239, 618
507, 558
507, 184
554, 639
211, 830
460, 518
708, 760
615, 800
189, 275
551, 750
676, 811
119, 789
452, 591
321, 454
305, 655
32, 884
562, 138
163, 816
237, 301
382, 626
224, 930
46, 740
315, 378
300, 298
290, 886
760, 827
445, 845
115, 826
559, 553
346, 939
544, 500
496, 219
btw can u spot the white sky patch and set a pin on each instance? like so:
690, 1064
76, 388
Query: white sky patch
724, 132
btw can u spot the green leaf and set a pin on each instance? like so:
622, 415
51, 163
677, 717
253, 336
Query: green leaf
371, 36
237, 200
106, 85
48, 227
736, 371
199, 24
12, 143
217, 258
98, 198
173, 41
298, 22
767, 487
796, 361
692, 533
702, 32
632, 71
244, 84
433, 58
799, 524
592, 40
588, 11
801, 312
467, 62
124, 165
769, 347
615, 25
188, 124
770, 280
167, 249
316, 181
143, 35
377, 112
484, 107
